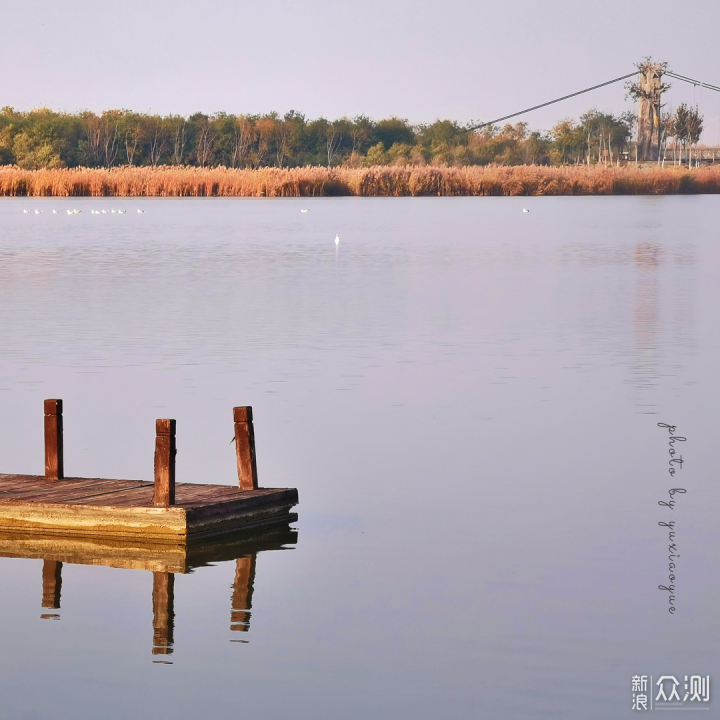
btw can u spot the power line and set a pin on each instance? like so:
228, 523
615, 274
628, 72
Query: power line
580, 92
565, 97
692, 82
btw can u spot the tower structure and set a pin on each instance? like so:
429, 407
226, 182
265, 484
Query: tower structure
648, 91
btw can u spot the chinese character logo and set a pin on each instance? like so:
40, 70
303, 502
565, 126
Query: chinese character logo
667, 681
699, 688
669, 689
639, 686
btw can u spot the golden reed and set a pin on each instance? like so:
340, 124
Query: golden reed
185, 181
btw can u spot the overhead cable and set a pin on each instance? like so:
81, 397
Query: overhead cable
564, 97
580, 92
692, 82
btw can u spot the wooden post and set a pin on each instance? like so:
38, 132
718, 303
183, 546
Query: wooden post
52, 583
242, 593
245, 448
164, 495
54, 469
163, 612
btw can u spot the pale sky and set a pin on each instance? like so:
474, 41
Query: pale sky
420, 60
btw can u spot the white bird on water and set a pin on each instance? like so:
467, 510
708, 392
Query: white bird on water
76, 212
305, 211
69, 212
56, 212
140, 211
26, 212
38, 212
525, 210
337, 240
121, 212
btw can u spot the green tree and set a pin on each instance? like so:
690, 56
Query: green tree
680, 126
694, 129
393, 130
568, 139
33, 154
376, 155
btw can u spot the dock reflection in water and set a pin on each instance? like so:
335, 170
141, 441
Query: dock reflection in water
164, 561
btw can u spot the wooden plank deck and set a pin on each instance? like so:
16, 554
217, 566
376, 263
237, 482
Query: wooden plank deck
126, 508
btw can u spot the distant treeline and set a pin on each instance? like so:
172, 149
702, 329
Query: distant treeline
187, 181
43, 138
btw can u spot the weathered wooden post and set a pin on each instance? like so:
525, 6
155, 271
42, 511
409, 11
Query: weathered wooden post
54, 469
242, 593
163, 612
52, 583
245, 447
164, 494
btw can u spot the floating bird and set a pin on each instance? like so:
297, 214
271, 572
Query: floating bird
305, 211
113, 211
104, 212
337, 240
525, 210
121, 212
140, 211
76, 212
56, 212
69, 212
26, 212
38, 212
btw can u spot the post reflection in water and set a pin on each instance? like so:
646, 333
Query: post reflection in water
163, 612
242, 594
52, 584
164, 561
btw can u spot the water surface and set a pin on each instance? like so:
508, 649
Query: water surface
466, 397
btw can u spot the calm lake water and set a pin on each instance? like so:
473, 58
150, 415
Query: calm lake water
466, 397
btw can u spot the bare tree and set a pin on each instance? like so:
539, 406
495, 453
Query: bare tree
156, 139
360, 132
93, 133
282, 141
178, 135
242, 140
205, 142
265, 131
110, 121
333, 138
133, 136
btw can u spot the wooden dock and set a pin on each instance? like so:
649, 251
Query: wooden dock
158, 511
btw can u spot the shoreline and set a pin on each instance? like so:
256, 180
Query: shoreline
377, 181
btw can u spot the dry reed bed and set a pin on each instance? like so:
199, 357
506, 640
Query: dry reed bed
375, 181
